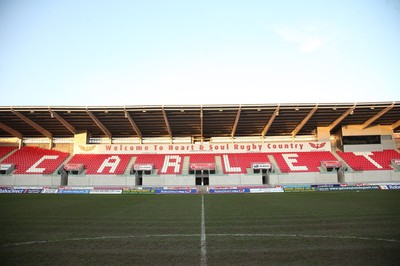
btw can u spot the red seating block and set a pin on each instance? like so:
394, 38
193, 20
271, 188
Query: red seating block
102, 164
166, 164
4, 150
302, 161
368, 161
34, 160
238, 162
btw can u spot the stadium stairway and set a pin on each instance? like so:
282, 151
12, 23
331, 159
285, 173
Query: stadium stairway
129, 166
275, 165
346, 166
218, 165
185, 165
62, 164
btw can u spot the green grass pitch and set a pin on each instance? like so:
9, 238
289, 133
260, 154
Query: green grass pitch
310, 228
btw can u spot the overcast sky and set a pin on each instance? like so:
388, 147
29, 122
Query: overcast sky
141, 52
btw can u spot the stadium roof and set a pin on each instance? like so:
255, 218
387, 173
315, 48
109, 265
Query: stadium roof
198, 121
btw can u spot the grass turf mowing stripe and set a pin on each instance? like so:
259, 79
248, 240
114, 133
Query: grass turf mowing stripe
304, 228
203, 260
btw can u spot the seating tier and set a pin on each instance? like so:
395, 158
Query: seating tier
102, 164
368, 161
4, 150
302, 161
166, 164
239, 162
34, 160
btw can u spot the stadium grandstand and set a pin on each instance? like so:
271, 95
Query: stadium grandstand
200, 145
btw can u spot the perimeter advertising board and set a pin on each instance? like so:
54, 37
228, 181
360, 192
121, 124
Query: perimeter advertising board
202, 148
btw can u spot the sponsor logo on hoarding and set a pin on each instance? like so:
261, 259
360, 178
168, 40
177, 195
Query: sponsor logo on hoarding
106, 191
342, 188
10, 190
176, 191
143, 167
50, 190
138, 191
5, 166
261, 165
228, 190
202, 166
74, 191
299, 189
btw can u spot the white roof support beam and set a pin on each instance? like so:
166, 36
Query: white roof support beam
167, 122
63, 122
40, 129
201, 124
11, 131
395, 125
341, 118
99, 124
269, 123
236, 122
133, 124
375, 117
304, 121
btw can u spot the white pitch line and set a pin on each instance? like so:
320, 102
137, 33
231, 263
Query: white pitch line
203, 235
308, 236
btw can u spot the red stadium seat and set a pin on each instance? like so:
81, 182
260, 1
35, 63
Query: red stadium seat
166, 164
102, 164
368, 161
34, 160
302, 161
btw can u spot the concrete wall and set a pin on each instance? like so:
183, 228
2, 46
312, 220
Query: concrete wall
101, 180
372, 176
168, 180
235, 180
30, 180
304, 178
189, 180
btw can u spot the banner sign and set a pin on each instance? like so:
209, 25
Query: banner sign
266, 190
326, 185
138, 191
6, 166
11, 190
261, 165
202, 166
105, 191
143, 167
73, 166
175, 190
201, 148
299, 189
343, 188
332, 164
73, 191
389, 186
47, 190
20, 190
228, 190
